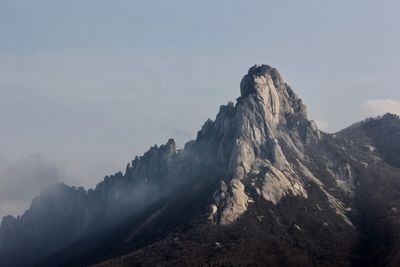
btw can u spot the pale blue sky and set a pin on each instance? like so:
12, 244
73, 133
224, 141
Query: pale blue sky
87, 85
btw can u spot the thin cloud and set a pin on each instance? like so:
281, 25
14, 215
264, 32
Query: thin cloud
375, 107
21, 180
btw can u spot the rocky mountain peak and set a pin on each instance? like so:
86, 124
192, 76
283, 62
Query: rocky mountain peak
249, 82
278, 99
269, 125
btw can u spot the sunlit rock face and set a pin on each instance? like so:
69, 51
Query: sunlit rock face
272, 95
231, 200
267, 114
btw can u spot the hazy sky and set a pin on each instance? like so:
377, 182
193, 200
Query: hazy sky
87, 85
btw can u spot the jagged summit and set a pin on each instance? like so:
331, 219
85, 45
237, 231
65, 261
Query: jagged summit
259, 70
280, 102
267, 120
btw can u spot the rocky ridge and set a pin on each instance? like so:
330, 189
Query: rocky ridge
260, 178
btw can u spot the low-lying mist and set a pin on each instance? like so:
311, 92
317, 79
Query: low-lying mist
22, 179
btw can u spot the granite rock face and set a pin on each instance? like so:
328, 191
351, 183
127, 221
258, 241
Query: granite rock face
267, 114
230, 200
